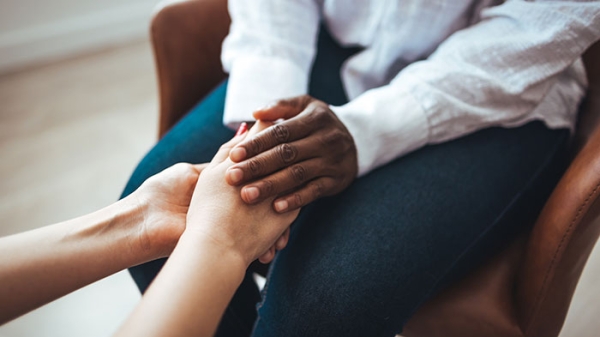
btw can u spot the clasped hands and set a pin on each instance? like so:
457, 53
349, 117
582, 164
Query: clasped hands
276, 168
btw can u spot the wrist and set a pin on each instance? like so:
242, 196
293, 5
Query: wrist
111, 233
218, 245
142, 241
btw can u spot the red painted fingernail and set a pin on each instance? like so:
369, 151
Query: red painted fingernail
242, 129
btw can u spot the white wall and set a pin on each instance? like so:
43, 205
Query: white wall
38, 31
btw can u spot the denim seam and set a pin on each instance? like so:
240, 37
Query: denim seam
537, 173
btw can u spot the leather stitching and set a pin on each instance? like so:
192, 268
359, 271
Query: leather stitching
538, 301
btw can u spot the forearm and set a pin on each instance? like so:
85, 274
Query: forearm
520, 63
222, 236
41, 265
191, 292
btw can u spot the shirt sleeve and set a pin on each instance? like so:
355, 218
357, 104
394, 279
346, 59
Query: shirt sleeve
268, 53
520, 57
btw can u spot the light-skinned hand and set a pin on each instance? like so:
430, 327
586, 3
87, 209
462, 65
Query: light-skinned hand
218, 214
163, 200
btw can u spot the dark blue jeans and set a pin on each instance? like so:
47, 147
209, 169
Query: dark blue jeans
360, 263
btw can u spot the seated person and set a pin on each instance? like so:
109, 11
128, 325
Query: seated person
420, 137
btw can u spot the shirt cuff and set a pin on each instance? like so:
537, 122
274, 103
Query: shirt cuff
386, 123
255, 82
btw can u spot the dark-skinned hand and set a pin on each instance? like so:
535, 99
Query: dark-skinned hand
310, 154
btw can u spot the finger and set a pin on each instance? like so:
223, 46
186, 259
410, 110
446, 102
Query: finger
258, 127
223, 152
264, 257
272, 160
283, 109
268, 256
283, 240
274, 135
281, 181
200, 167
312, 191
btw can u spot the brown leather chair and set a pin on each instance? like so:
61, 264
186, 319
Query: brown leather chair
526, 289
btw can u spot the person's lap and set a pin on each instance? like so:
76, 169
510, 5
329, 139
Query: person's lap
360, 263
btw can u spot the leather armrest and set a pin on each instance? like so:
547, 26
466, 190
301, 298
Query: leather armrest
567, 228
187, 38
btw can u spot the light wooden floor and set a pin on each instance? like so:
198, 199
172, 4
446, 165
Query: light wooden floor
70, 135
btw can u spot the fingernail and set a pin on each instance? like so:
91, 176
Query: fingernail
242, 129
281, 205
237, 154
235, 175
251, 193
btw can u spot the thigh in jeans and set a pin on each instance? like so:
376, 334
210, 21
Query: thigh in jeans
360, 263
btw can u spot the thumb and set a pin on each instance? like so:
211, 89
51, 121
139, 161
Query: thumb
200, 167
223, 152
283, 109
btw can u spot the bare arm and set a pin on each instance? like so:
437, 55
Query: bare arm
41, 265
223, 236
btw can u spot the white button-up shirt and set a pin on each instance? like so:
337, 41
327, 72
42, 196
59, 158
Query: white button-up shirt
430, 71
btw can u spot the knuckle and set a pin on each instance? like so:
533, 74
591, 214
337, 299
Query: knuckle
280, 133
280, 102
320, 108
256, 145
312, 119
317, 190
318, 115
224, 147
267, 187
298, 173
254, 166
297, 102
333, 138
304, 100
182, 166
287, 153
184, 170
189, 169
298, 199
